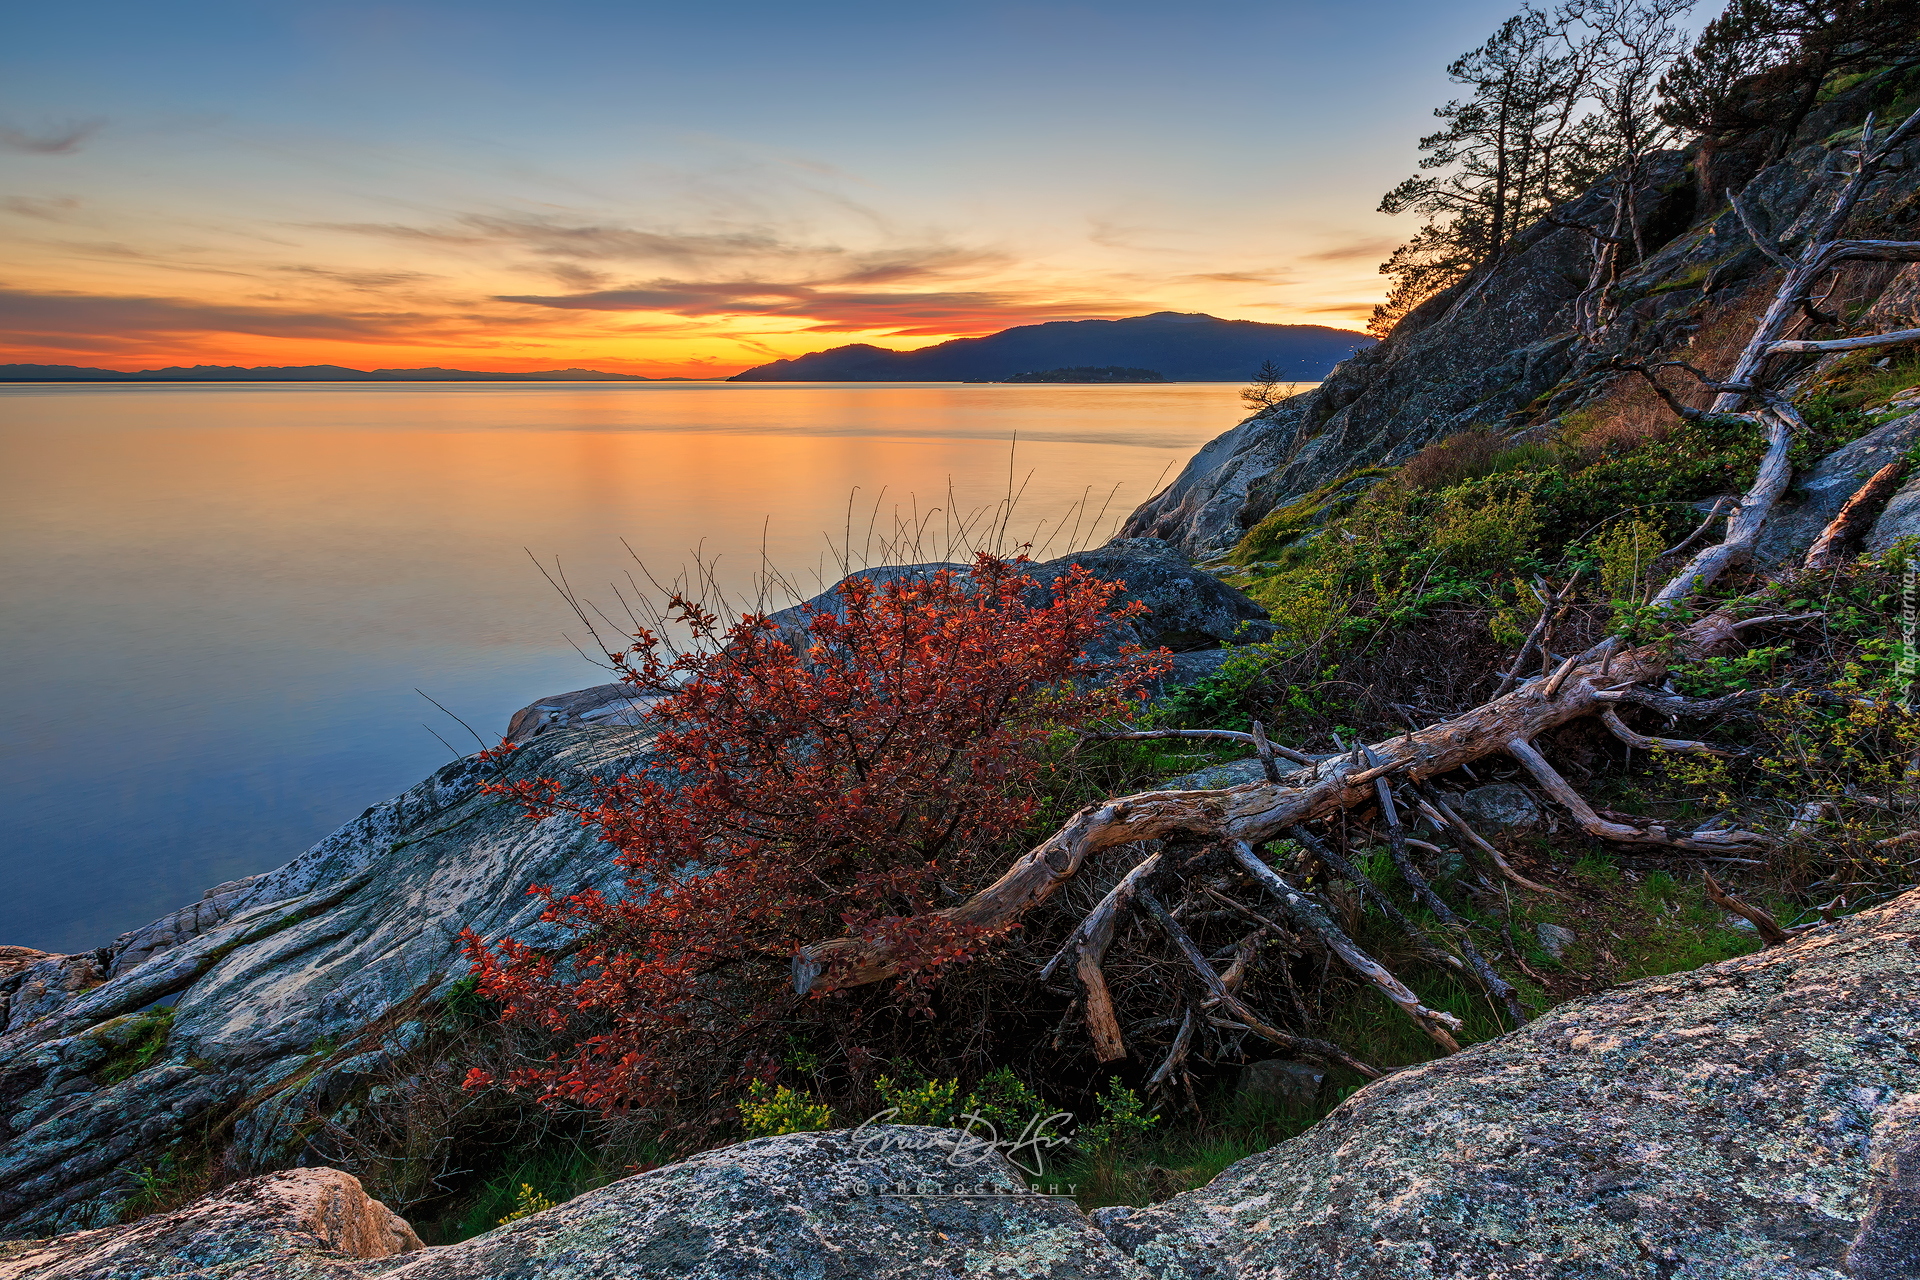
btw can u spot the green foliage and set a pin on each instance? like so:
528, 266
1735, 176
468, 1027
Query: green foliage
1122, 1123
526, 1203
538, 1179
920, 1101
1711, 677
1283, 525
464, 1006
1481, 531
1626, 553
1005, 1101
767, 1112
136, 1041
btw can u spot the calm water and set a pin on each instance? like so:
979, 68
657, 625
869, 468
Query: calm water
220, 600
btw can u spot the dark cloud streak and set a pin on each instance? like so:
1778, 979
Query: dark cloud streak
52, 140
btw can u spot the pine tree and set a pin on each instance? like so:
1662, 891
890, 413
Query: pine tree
1512, 149
1763, 63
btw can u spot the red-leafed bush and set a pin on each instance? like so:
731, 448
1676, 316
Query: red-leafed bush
858, 785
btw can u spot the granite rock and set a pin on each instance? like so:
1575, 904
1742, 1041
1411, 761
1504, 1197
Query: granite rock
297, 1223
802, 1206
1499, 808
1750, 1119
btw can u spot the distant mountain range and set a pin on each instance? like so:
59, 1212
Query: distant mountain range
1184, 347
302, 373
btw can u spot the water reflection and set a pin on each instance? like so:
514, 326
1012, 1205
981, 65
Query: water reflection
222, 598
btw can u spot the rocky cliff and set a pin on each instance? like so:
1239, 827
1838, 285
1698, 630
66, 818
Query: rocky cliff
1500, 349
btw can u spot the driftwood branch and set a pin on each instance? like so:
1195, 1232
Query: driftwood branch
1375, 897
1700, 531
1769, 929
1496, 986
1743, 527
1795, 346
1460, 828
1618, 728
1826, 552
1301, 907
1594, 825
1175, 1055
1551, 610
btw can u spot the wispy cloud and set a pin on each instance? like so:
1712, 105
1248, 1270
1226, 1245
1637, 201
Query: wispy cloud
554, 237
1238, 277
104, 315
834, 310
48, 208
366, 281
59, 139
1375, 247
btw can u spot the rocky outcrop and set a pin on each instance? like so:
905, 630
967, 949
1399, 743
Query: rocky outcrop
300, 1223
892, 1203
1499, 348
1752, 1119
1757, 1119
287, 997
292, 991
1819, 494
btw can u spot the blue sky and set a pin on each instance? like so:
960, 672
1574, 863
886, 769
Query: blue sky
686, 188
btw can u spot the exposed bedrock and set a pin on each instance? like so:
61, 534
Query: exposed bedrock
293, 990
1751, 1119
1757, 1119
282, 1226
1499, 349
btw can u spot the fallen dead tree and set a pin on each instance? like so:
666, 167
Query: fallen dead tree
1210, 837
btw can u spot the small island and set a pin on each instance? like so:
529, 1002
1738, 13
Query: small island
1086, 373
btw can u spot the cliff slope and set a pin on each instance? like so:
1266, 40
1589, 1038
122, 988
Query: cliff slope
1500, 350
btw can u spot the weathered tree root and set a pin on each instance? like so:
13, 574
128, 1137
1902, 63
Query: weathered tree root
1589, 684
1256, 812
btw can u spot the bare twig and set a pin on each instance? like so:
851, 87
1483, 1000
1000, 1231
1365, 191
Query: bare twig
1322, 1051
1496, 986
1311, 916
1618, 728
1472, 837
1769, 929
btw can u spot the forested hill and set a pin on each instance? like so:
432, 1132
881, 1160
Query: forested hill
1184, 347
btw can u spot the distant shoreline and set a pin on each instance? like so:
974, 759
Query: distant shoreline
798, 382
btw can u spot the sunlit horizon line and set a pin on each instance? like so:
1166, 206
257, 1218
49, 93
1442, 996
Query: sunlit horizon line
268, 351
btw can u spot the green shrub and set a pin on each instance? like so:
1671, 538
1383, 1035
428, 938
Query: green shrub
525, 1204
1626, 553
1123, 1122
1475, 532
767, 1112
931, 1102
1003, 1100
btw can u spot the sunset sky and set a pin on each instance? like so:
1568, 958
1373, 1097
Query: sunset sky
690, 189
